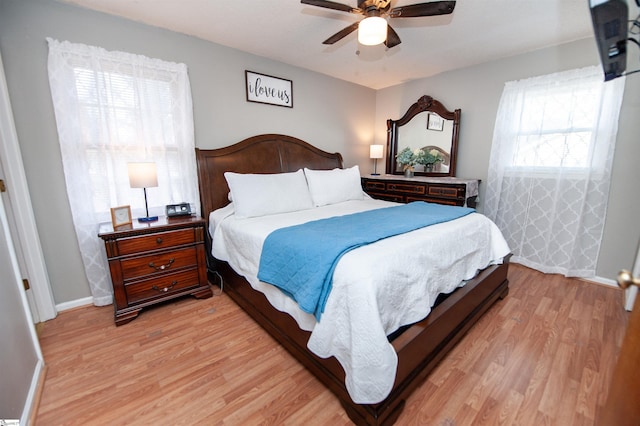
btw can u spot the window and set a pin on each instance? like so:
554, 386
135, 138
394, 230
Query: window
110, 103
550, 167
556, 129
113, 108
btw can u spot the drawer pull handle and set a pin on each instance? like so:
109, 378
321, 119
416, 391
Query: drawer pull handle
159, 240
392, 187
162, 267
166, 289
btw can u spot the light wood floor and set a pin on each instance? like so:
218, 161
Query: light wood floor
544, 355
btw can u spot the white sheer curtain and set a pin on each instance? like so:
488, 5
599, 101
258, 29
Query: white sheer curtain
112, 108
550, 168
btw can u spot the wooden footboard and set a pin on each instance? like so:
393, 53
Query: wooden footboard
420, 347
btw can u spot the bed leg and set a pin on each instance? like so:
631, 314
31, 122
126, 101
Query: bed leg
504, 292
353, 414
394, 414
371, 417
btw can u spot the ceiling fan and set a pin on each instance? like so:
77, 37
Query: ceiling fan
373, 29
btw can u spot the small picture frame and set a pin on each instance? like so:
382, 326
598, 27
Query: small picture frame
121, 216
435, 122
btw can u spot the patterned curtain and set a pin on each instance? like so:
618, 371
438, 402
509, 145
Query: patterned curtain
112, 108
550, 168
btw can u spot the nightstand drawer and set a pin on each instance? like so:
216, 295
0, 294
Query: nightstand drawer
406, 188
166, 284
157, 241
138, 267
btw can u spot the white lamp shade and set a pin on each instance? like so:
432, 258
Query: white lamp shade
375, 151
143, 175
372, 31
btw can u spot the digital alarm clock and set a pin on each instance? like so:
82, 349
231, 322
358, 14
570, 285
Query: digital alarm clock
182, 209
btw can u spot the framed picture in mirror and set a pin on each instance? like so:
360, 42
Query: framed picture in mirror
435, 122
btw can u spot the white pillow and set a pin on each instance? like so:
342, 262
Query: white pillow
263, 194
334, 186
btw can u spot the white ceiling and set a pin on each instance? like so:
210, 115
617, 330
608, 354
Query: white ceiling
290, 32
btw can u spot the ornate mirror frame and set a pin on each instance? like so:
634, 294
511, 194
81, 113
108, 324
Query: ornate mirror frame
429, 105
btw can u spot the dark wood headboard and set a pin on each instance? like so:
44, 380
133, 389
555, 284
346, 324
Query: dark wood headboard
269, 153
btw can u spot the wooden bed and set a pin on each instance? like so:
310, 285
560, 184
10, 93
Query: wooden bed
419, 347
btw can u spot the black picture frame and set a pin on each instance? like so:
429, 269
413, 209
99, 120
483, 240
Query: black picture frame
435, 122
267, 89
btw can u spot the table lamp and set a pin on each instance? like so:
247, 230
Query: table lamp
143, 175
375, 152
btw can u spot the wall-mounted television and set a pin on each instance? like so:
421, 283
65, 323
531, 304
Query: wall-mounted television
610, 19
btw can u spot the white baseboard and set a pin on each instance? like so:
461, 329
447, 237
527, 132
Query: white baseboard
600, 280
74, 304
33, 397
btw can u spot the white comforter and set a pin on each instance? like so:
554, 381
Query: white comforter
376, 288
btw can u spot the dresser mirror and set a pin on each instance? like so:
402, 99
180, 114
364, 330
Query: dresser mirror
427, 124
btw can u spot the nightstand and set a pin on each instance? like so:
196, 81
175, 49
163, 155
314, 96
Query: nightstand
155, 262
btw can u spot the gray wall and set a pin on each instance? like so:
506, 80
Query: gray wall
477, 90
332, 114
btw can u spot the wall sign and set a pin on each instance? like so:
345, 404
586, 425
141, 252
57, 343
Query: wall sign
266, 89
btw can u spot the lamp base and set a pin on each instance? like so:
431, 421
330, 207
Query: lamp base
148, 219
375, 174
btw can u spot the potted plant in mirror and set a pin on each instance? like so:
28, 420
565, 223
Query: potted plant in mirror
407, 159
428, 159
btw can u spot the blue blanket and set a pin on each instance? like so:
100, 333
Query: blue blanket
300, 259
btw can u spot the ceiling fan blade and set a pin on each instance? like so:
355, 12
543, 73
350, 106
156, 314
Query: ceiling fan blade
331, 5
393, 39
423, 9
342, 33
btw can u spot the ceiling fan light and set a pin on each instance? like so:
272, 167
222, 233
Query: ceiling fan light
372, 31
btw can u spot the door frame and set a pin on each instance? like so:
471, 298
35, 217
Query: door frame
27, 231
631, 292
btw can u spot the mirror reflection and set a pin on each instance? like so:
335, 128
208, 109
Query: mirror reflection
432, 133
429, 126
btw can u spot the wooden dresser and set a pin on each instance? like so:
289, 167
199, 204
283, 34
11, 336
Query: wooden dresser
441, 190
155, 262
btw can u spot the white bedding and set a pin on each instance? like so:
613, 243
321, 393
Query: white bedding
376, 288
